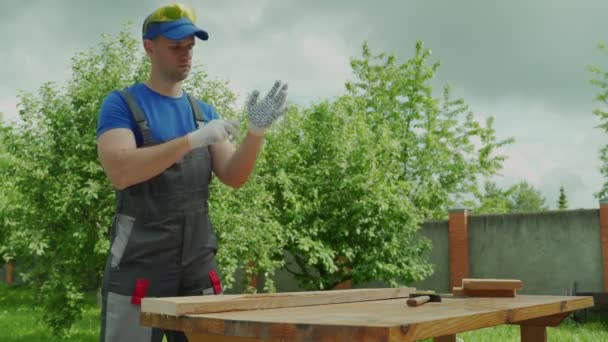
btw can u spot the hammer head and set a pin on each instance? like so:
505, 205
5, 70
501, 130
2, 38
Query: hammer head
433, 296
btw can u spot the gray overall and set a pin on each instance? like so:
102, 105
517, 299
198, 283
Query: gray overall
162, 242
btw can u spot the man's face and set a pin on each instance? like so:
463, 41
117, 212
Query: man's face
173, 58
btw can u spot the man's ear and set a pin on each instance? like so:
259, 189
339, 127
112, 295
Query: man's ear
148, 46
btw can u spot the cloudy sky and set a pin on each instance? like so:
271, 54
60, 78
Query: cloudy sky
523, 62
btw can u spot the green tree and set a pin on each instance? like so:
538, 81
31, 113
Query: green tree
444, 150
8, 199
65, 203
600, 80
562, 201
492, 200
523, 197
340, 201
354, 178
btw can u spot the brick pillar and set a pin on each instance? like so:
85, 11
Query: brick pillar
10, 270
345, 285
459, 246
604, 239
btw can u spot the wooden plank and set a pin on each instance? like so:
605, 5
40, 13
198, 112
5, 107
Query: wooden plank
457, 291
445, 338
600, 298
549, 309
488, 293
389, 320
491, 284
547, 321
531, 333
176, 306
193, 337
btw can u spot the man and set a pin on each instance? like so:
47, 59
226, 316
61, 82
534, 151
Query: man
159, 147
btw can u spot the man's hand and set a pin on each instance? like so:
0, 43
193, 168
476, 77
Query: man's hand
262, 114
213, 132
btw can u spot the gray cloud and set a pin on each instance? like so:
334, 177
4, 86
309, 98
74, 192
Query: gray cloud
533, 48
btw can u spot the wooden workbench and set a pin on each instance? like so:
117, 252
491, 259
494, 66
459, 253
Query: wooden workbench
376, 320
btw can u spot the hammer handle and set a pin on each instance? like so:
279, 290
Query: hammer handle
417, 301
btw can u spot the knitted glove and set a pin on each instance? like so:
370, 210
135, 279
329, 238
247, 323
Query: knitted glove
212, 132
262, 114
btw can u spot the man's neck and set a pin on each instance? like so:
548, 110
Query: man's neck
163, 87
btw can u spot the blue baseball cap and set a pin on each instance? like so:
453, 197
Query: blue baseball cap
175, 22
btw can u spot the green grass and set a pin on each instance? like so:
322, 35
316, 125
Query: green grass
567, 331
20, 322
20, 319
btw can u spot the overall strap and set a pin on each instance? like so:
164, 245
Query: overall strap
138, 115
198, 114
144, 129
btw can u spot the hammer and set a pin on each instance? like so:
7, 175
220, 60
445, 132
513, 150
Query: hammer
419, 298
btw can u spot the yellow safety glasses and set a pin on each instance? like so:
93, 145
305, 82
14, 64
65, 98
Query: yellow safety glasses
170, 13
175, 22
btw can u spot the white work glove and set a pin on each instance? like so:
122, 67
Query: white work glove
262, 114
212, 132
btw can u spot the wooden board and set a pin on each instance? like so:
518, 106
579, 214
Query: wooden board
489, 293
457, 291
381, 320
491, 284
176, 306
488, 288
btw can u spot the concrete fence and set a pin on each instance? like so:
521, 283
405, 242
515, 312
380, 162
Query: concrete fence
549, 251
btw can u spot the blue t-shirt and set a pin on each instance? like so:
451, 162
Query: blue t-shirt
167, 117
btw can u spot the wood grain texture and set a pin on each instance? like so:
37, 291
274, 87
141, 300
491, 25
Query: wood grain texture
491, 284
176, 306
457, 291
488, 293
530, 333
446, 338
193, 337
381, 320
547, 321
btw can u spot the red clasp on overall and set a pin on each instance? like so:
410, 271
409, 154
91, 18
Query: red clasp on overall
215, 282
141, 286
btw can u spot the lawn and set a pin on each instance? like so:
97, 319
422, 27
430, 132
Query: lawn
19, 322
20, 319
